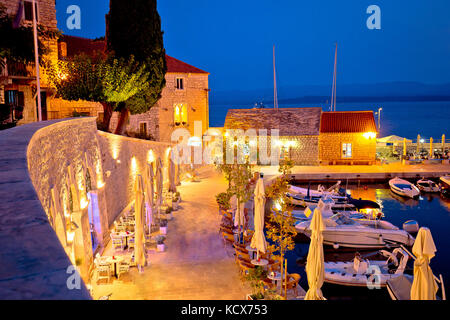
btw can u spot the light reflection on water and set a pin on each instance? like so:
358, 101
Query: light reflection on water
430, 210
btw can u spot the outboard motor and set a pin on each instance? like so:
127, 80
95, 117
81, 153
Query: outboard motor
411, 226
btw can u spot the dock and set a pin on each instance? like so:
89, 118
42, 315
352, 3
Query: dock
361, 173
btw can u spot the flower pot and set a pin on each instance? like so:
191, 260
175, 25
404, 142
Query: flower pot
163, 230
175, 206
160, 247
169, 216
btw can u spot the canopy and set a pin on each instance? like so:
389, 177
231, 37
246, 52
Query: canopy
315, 270
139, 234
424, 286
393, 139
259, 240
149, 195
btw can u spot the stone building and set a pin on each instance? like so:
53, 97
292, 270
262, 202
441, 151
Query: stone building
298, 129
347, 138
311, 137
18, 81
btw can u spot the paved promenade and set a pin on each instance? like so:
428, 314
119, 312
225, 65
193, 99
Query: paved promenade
195, 265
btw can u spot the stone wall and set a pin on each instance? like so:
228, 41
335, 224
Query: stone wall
33, 260
330, 147
305, 150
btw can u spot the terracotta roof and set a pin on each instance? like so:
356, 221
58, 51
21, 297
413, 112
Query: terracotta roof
347, 121
290, 121
77, 45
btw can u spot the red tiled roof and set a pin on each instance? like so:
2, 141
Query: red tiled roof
347, 121
77, 45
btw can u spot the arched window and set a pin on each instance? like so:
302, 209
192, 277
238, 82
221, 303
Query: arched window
180, 114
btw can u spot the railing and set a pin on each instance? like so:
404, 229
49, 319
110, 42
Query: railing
17, 69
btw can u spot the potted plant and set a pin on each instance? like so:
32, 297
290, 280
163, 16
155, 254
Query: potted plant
223, 200
169, 215
176, 199
160, 246
254, 278
163, 227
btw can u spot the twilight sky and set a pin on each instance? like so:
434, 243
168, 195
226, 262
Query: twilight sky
233, 39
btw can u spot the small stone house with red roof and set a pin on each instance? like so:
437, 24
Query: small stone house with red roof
347, 137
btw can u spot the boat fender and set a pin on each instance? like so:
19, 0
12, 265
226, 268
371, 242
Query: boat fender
336, 246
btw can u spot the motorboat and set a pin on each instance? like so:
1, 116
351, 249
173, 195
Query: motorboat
444, 182
426, 185
298, 199
403, 188
367, 273
342, 231
334, 190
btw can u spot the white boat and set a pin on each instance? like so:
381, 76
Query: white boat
426, 185
404, 188
364, 273
342, 231
444, 182
321, 191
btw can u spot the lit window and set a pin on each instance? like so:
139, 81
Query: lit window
346, 150
180, 84
180, 114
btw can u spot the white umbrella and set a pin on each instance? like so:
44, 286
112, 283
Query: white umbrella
149, 194
172, 186
259, 240
139, 233
315, 262
424, 286
159, 182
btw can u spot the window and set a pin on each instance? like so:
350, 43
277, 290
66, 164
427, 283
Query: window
180, 84
27, 10
180, 114
346, 150
143, 128
100, 116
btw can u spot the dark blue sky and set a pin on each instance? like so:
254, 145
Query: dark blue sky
233, 39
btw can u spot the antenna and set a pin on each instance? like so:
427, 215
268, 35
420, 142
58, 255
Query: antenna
275, 95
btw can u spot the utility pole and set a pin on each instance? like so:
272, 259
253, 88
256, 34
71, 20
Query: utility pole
275, 94
379, 118
36, 61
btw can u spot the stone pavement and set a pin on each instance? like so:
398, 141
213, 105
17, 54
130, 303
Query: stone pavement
195, 265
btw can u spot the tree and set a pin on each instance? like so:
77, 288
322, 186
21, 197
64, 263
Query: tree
280, 228
134, 28
106, 80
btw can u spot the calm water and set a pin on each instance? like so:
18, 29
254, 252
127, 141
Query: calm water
430, 211
406, 119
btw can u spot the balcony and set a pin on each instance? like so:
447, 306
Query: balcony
19, 71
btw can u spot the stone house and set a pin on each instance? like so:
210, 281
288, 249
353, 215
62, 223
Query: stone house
312, 137
347, 137
298, 129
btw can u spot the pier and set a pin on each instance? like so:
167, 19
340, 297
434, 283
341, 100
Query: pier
362, 173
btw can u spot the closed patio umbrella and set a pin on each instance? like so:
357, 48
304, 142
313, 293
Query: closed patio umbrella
139, 229
159, 183
404, 146
172, 186
424, 286
315, 262
259, 240
149, 194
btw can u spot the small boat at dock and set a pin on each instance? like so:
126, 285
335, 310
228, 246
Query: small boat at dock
364, 273
444, 182
403, 188
426, 185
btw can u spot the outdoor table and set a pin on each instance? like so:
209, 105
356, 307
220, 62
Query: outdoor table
126, 235
261, 262
114, 260
252, 250
275, 276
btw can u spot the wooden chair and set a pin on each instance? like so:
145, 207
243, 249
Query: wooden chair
292, 283
268, 284
274, 267
103, 272
226, 229
131, 243
245, 267
228, 238
117, 243
123, 267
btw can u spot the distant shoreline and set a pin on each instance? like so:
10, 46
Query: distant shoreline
322, 99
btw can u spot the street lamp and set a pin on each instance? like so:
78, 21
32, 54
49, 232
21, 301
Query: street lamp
379, 118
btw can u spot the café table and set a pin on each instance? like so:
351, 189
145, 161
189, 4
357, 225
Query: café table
274, 276
252, 250
114, 260
260, 262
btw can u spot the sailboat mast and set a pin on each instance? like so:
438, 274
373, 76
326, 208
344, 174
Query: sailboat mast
275, 95
335, 77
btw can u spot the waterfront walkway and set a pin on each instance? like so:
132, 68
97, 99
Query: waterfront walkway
375, 173
196, 265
